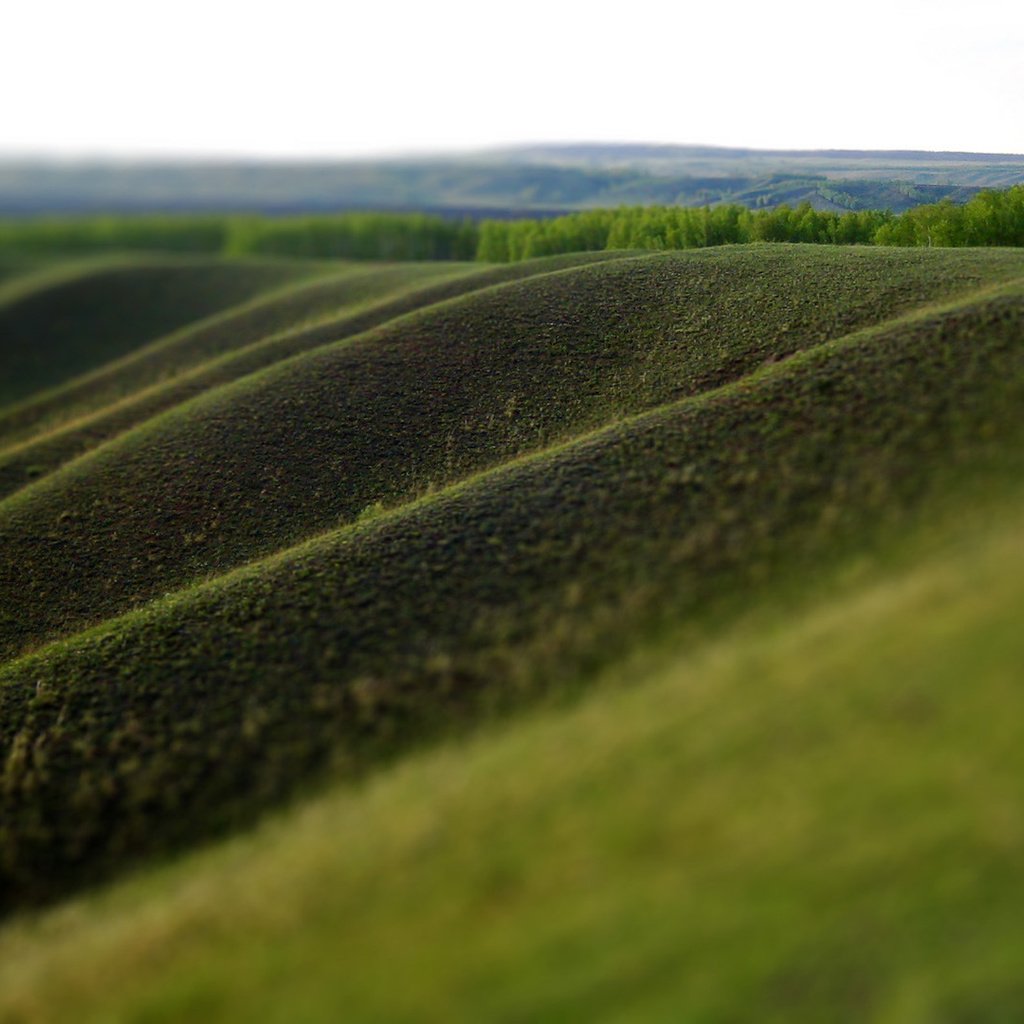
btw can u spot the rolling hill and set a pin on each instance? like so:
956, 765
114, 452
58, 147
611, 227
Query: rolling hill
55, 330
47, 429
600, 618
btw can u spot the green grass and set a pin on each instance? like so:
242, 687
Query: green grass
634, 639
66, 327
420, 402
816, 817
365, 639
333, 289
12, 269
71, 420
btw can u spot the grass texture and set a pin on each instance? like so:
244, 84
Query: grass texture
421, 402
816, 816
384, 539
62, 328
69, 421
160, 359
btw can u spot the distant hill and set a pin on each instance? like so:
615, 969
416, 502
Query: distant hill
605, 153
529, 179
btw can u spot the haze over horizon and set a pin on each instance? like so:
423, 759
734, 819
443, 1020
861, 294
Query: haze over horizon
225, 81
451, 153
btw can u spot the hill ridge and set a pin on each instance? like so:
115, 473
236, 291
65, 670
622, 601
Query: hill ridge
735, 724
17, 461
445, 611
36, 407
313, 442
374, 516
81, 320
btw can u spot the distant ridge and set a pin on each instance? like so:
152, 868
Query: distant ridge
526, 180
669, 149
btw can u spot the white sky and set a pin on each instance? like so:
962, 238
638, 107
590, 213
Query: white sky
216, 77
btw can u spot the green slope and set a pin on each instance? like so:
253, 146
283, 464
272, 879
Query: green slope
736, 534
74, 323
13, 269
231, 345
423, 401
817, 817
193, 713
334, 288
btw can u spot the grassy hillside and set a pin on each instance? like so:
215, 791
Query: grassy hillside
737, 524
758, 458
816, 817
419, 403
13, 268
62, 328
47, 431
157, 356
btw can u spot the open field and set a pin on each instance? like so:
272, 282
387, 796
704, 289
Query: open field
421, 402
631, 636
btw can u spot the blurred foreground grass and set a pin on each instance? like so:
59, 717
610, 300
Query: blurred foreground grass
815, 817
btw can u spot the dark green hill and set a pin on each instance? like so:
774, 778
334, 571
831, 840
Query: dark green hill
334, 288
422, 402
12, 269
59, 426
800, 403
54, 332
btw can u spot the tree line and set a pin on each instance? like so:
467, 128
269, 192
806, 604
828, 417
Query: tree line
357, 236
990, 218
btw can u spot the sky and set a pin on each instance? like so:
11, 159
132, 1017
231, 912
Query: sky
368, 77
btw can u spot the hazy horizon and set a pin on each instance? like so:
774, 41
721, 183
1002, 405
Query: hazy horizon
200, 157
